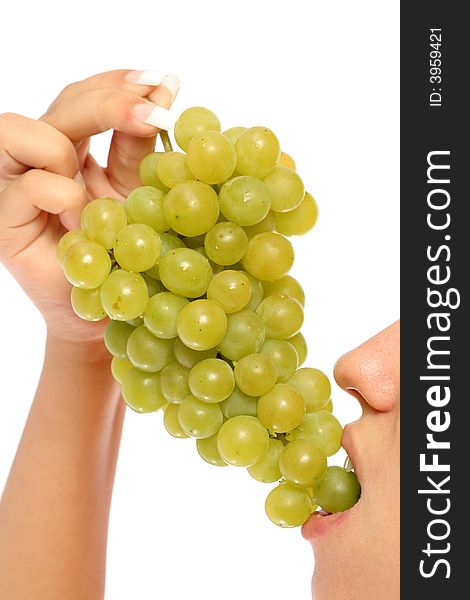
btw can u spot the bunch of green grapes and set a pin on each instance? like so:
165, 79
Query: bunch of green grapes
192, 271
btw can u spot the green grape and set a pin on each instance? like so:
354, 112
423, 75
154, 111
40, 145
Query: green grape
245, 335
145, 205
68, 240
285, 285
148, 352
299, 343
187, 357
207, 449
148, 171
283, 355
258, 152
267, 469
171, 422
239, 403
338, 490
116, 335
214, 266
329, 406
199, 419
153, 286
174, 383
86, 265
172, 168
286, 160
269, 256
119, 368
102, 219
234, 133
141, 391
231, 289
211, 380
257, 292
191, 208
211, 157
285, 188
87, 304
137, 247
300, 220
321, 427
244, 200
124, 295
161, 312
266, 224
255, 374
282, 316
302, 462
281, 409
226, 243
202, 324
195, 241
242, 441
185, 272
168, 241
288, 505
192, 121
134, 322
314, 386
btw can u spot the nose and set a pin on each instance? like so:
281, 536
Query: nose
373, 370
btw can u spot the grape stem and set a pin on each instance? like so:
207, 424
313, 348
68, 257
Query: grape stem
348, 464
166, 140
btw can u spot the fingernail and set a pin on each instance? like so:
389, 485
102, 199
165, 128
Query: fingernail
172, 83
154, 115
145, 77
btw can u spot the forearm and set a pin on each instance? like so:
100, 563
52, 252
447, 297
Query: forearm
55, 506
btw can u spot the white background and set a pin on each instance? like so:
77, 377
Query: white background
324, 77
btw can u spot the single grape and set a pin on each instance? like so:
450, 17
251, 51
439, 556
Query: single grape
299, 343
189, 357
168, 241
172, 168
171, 422
141, 391
281, 409
199, 419
102, 219
174, 382
148, 171
323, 428
282, 315
257, 292
211, 157
191, 208
285, 285
285, 188
244, 200
266, 224
153, 286
196, 241
244, 335
116, 335
269, 256
148, 352
234, 133
255, 374
119, 368
231, 289
192, 121
68, 240
267, 469
145, 205
242, 441
87, 304
211, 380
286, 160
258, 152
302, 462
207, 449
300, 220
338, 490
239, 403
314, 386
288, 505
86, 265
161, 313
283, 355
124, 295
185, 272
137, 247
226, 243
202, 324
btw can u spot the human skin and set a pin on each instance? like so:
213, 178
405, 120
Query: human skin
54, 509
357, 552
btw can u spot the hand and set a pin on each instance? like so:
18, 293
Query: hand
47, 175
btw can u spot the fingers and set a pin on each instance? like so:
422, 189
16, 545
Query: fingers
26, 143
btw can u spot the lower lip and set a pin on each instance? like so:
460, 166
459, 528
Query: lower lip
318, 524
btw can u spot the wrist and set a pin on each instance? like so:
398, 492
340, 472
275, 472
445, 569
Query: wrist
92, 352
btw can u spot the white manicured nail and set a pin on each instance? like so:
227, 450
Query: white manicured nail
171, 82
154, 115
145, 77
